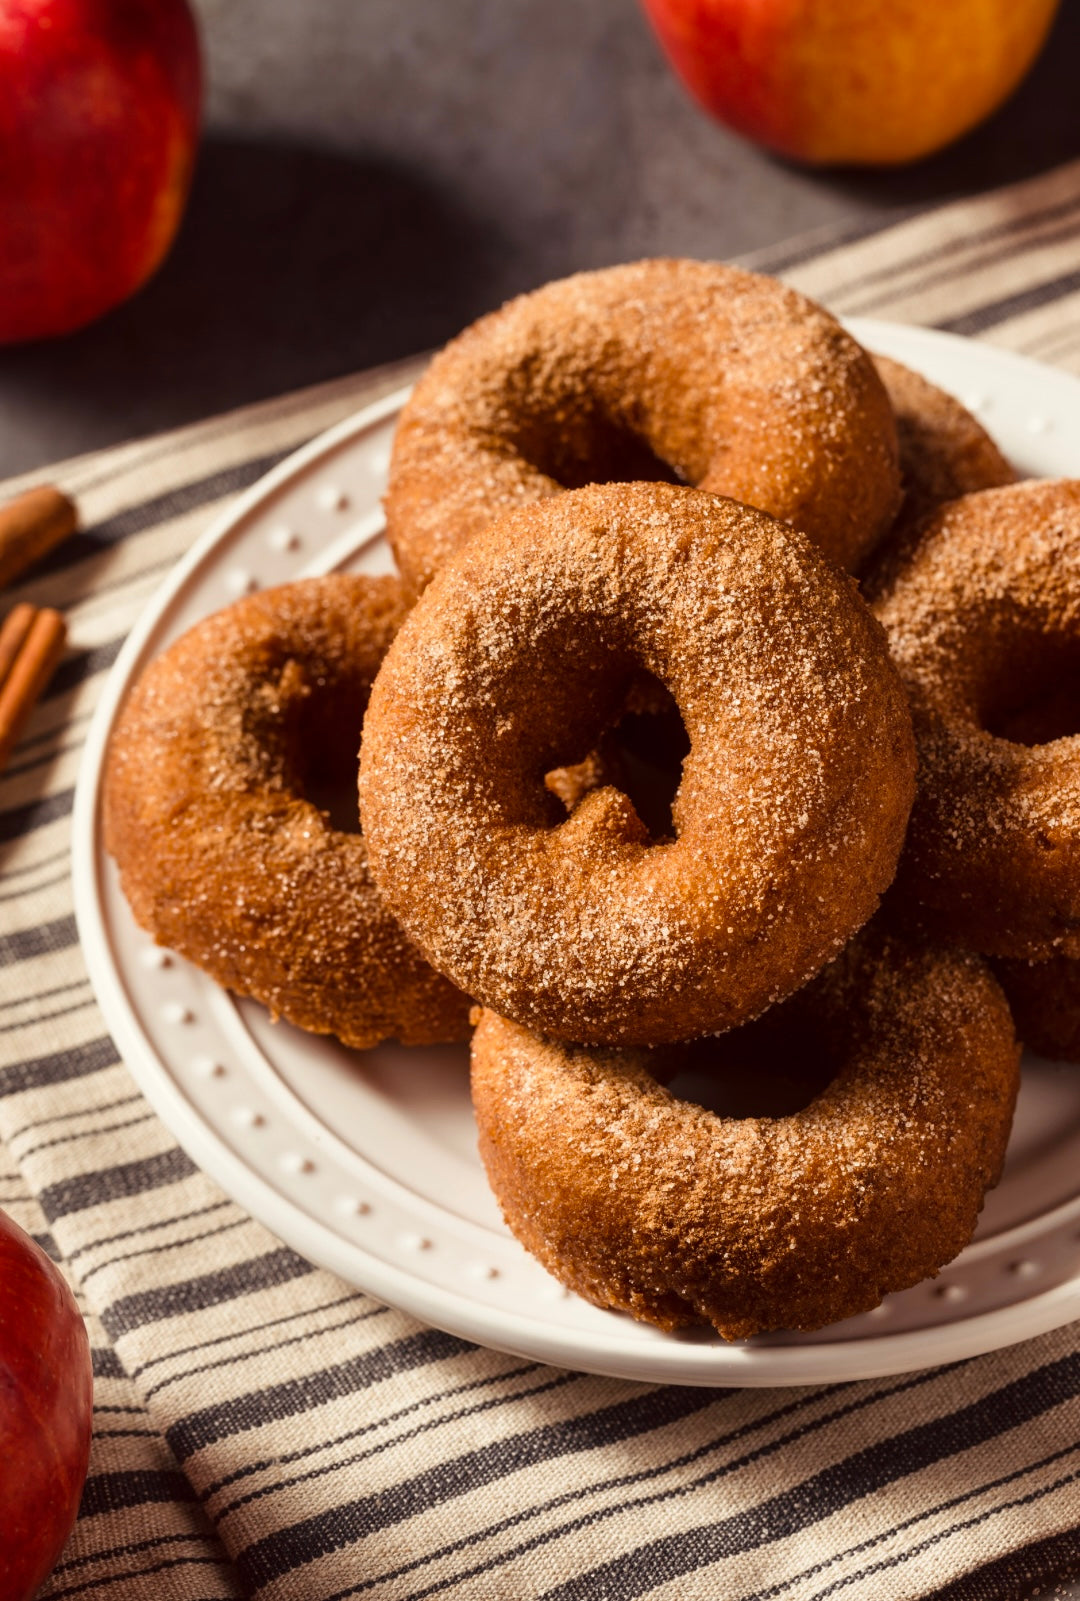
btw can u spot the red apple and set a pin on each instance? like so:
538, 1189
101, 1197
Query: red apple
99, 119
46, 1402
852, 80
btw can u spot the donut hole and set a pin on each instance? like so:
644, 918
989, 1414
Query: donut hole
641, 754
1033, 697
324, 742
753, 1072
592, 449
651, 747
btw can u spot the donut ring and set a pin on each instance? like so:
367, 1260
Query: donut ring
984, 624
945, 452
221, 856
680, 370
660, 1208
1045, 1002
791, 808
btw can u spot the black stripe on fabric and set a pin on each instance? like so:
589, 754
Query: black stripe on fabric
43, 758
81, 665
146, 1228
45, 1240
126, 1179
79, 1061
46, 1017
641, 1504
256, 1407
863, 1473
890, 1534
560, 1381
26, 943
240, 1334
900, 1557
34, 867
162, 1246
35, 889
106, 1363
287, 1457
1020, 1574
82, 1133
22, 820
980, 249
119, 1578
823, 242
146, 514
129, 1548
147, 1432
999, 311
209, 1289
110, 1492
45, 995
236, 1357
69, 1117
961, 271
643, 1476
292, 1547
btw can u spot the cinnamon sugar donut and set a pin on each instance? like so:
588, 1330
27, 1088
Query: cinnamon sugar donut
680, 370
1045, 1002
945, 452
984, 624
791, 807
222, 855
658, 1207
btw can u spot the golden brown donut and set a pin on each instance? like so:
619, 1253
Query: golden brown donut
661, 1208
1045, 1002
984, 624
685, 371
944, 451
223, 857
793, 797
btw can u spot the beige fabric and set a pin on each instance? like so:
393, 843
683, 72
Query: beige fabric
264, 1430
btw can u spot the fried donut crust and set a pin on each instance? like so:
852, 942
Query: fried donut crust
793, 798
663, 1209
687, 371
222, 857
1045, 1002
984, 624
945, 452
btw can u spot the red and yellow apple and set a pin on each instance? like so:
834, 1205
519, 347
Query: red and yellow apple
830, 81
99, 119
46, 1406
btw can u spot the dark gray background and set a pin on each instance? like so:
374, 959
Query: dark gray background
377, 172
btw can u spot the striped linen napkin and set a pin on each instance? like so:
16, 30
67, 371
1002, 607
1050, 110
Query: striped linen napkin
264, 1430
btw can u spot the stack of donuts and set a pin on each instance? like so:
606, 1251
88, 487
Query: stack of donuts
722, 722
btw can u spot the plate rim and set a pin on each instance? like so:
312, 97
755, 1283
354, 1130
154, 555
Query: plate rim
669, 1361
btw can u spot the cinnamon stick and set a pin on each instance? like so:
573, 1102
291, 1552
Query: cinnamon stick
17, 625
30, 648
30, 525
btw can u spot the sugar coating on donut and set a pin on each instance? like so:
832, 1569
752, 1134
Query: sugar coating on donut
687, 371
221, 855
945, 452
658, 1207
1045, 1002
984, 624
792, 803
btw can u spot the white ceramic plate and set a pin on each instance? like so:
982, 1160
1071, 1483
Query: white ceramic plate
366, 1163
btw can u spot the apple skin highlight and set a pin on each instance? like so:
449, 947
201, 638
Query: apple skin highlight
99, 120
46, 1410
831, 82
